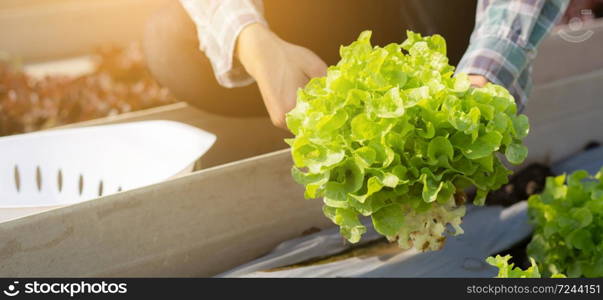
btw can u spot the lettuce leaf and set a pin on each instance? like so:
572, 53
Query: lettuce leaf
506, 270
390, 134
568, 225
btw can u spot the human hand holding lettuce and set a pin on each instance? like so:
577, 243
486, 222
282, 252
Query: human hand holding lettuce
278, 67
387, 134
390, 134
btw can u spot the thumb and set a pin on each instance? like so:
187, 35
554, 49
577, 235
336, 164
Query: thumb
313, 66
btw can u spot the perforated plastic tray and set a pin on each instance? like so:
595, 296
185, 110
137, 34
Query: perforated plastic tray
59, 167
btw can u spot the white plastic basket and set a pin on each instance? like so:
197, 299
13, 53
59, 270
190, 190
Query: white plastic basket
46, 169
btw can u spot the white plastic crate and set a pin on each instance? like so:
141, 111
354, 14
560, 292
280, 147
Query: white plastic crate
46, 169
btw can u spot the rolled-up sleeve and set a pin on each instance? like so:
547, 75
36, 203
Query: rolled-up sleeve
504, 41
218, 24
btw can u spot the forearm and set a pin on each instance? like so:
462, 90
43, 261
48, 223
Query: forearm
219, 24
252, 40
505, 39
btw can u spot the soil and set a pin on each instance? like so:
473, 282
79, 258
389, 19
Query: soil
522, 184
519, 253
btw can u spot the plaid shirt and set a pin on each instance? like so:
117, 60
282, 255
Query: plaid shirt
504, 41
502, 47
219, 23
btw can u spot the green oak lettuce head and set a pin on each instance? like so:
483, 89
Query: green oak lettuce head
391, 134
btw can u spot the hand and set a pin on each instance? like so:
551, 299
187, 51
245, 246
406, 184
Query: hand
477, 80
278, 67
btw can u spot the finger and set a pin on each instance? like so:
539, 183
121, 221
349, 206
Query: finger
280, 96
288, 100
314, 66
